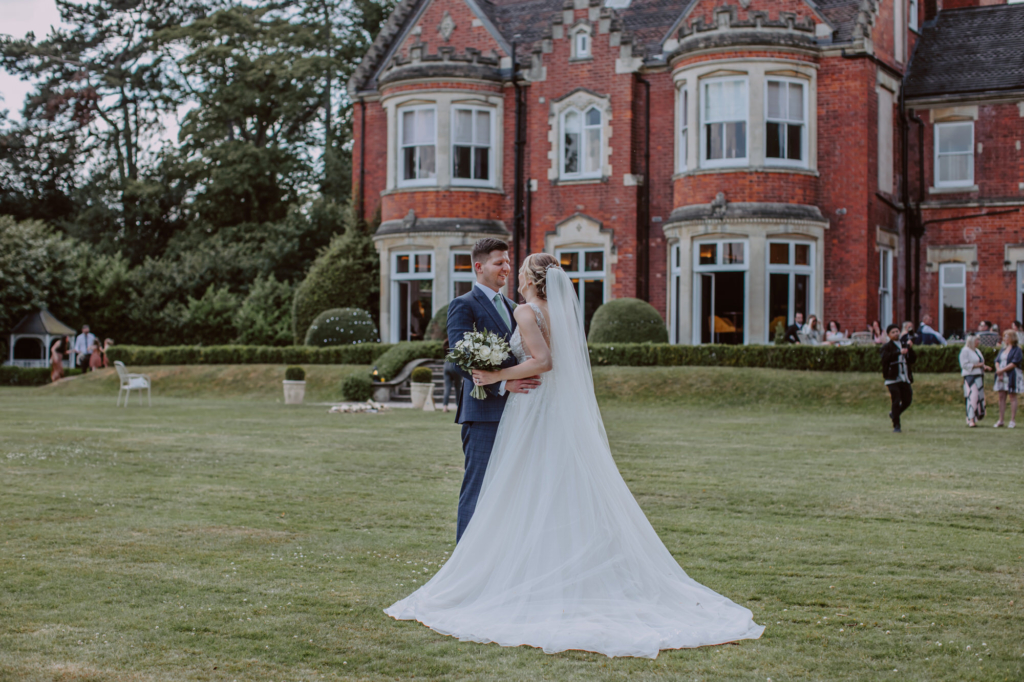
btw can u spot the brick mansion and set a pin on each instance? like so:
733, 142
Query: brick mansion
732, 164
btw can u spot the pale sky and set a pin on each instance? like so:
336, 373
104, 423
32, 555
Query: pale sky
18, 18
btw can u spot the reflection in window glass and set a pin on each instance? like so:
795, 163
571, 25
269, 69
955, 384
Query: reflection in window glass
418, 151
732, 253
570, 261
595, 261
471, 144
571, 149
785, 123
463, 262
423, 262
778, 254
803, 254
402, 264
589, 282
707, 254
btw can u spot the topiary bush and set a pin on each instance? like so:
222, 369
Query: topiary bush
295, 374
342, 327
627, 320
357, 388
437, 330
391, 363
422, 375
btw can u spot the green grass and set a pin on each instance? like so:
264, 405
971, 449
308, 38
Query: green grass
238, 539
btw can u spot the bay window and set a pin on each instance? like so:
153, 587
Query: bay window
417, 142
471, 146
725, 112
785, 122
954, 154
790, 279
581, 143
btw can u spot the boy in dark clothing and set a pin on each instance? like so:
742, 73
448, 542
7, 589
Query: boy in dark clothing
897, 363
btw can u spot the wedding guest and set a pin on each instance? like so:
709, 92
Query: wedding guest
984, 326
57, 351
834, 336
877, 335
793, 330
83, 342
107, 343
907, 334
96, 356
451, 378
972, 369
930, 337
1017, 327
1009, 377
897, 368
812, 331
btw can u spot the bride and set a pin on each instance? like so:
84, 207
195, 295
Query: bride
558, 554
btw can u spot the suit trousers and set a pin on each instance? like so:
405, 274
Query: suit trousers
477, 443
901, 395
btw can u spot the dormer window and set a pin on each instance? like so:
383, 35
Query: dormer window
582, 45
581, 144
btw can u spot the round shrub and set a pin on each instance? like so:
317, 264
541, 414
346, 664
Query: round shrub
438, 327
295, 374
422, 375
627, 320
357, 388
342, 327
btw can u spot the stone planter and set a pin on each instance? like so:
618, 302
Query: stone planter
294, 392
421, 393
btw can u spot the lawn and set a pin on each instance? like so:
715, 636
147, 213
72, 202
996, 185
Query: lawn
228, 537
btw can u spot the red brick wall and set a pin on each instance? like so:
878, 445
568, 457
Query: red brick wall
465, 34
443, 204
663, 154
375, 168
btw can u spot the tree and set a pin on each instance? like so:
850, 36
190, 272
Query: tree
265, 316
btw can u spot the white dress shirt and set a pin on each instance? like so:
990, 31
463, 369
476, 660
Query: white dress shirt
489, 293
83, 343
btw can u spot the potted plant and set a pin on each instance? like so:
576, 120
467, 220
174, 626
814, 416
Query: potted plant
294, 385
422, 388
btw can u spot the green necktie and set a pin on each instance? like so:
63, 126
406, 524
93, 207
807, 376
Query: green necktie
501, 310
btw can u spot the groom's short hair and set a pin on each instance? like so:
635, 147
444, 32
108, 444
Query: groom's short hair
484, 247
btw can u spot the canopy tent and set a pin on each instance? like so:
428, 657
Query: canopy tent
32, 338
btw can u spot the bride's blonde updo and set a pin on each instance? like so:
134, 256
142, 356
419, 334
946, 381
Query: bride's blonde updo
536, 265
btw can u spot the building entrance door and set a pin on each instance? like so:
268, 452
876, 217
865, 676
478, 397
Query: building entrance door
721, 302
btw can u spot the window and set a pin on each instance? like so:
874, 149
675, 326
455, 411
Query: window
912, 15
1020, 291
954, 154
885, 316
585, 268
720, 292
784, 125
952, 299
462, 275
412, 294
581, 45
899, 30
885, 157
581, 143
790, 278
471, 147
684, 128
418, 134
725, 122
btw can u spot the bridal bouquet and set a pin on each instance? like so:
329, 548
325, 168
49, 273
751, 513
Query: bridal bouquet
479, 350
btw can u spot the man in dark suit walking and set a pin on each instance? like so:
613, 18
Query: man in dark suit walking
485, 308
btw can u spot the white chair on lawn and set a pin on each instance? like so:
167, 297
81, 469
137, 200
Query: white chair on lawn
130, 381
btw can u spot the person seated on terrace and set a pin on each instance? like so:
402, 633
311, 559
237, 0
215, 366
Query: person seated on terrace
1017, 327
793, 330
812, 331
907, 333
834, 335
984, 326
930, 337
877, 335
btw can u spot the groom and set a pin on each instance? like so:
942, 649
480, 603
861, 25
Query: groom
485, 307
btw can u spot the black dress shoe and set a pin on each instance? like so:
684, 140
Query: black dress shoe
897, 430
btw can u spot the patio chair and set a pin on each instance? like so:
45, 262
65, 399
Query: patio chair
130, 381
988, 339
862, 339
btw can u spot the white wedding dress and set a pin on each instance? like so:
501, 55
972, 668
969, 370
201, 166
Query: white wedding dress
558, 554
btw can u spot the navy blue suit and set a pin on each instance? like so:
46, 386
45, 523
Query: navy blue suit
479, 418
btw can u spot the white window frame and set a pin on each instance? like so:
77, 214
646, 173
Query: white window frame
885, 289
683, 137
943, 269
454, 277
584, 51
407, 276
1020, 291
912, 10
470, 182
804, 155
698, 269
582, 274
969, 182
705, 162
416, 182
675, 292
790, 269
745, 265
581, 174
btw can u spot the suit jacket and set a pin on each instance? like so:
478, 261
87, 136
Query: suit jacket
463, 312
890, 362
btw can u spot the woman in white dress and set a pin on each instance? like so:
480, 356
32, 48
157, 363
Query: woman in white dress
558, 554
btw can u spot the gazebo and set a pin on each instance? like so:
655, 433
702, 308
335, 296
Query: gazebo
32, 337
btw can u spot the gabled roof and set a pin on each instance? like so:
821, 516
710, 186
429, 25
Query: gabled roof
969, 51
647, 22
42, 322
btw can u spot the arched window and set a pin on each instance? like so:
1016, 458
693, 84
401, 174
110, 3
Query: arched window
581, 143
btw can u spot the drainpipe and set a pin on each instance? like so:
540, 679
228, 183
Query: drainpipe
908, 215
643, 205
918, 225
520, 142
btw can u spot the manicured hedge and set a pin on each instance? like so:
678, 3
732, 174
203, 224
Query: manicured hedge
359, 354
391, 363
930, 359
29, 376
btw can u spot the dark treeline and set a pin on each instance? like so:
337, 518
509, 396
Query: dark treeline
109, 219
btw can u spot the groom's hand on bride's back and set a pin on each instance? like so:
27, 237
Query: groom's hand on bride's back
522, 385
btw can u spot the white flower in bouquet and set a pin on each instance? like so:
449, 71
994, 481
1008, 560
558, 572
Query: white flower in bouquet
479, 350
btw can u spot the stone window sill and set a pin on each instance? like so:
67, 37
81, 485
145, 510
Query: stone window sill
747, 169
581, 181
443, 188
960, 189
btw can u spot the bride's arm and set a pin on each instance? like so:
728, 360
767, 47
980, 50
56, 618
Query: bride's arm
540, 355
